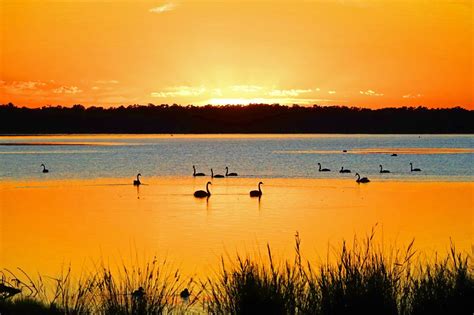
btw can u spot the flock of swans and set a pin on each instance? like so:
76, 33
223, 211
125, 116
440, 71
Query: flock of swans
258, 193
207, 193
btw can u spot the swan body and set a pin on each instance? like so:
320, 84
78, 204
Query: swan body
217, 175
203, 193
414, 169
257, 193
323, 169
382, 171
229, 174
344, 170
361, 180
197, 174
45, 170
137, 182
394, 154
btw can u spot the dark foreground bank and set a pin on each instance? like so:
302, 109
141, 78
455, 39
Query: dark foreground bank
361, 279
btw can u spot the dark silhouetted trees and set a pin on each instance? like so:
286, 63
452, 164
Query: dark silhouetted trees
255, 118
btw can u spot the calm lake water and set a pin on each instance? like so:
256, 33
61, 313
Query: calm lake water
86, 209
446, 157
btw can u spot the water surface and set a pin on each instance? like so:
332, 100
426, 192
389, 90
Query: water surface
441, 157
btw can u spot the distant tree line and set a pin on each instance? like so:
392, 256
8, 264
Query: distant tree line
255, 118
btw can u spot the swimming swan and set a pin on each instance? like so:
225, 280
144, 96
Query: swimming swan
361, 180
137, 181
414, 169
229, 174
344, 170
323, 169
202, 193
44, 169
217, 175
257, 193
383, 171
197, 174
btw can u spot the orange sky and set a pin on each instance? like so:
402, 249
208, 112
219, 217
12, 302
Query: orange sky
371, 53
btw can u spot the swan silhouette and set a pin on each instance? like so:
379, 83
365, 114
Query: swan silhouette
203, 193
217, 175
45, 170
323, 169
344, 170
229, 174
257, 193
361, 180
197, 174
382, 171
414, 169
137, 182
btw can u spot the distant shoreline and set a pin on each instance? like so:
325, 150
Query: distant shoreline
250, 119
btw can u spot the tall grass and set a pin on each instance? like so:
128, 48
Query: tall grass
150, 289
360, 278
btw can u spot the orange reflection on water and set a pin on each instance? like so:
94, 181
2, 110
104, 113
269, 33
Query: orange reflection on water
47, 224
417, 151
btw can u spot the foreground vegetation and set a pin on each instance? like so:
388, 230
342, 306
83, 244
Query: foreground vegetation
360, 279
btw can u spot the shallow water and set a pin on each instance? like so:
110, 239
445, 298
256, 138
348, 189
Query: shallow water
441, 157
86, 208
46, 225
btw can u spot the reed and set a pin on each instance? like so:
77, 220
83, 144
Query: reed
360, 278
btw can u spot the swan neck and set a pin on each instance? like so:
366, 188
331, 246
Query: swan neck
207, 189
259, 188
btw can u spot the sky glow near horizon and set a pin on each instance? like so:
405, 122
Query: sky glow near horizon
332, 52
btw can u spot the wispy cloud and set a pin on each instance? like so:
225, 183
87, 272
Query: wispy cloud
332, 92
182, 91
163, 8
21, 86
246, 88
287, 93
370, 93
412, 95
283, 101
106, 82
67, 90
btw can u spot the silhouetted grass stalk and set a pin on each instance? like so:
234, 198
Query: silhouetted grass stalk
360, 279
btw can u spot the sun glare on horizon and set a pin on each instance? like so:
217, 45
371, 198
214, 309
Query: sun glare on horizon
356, 53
